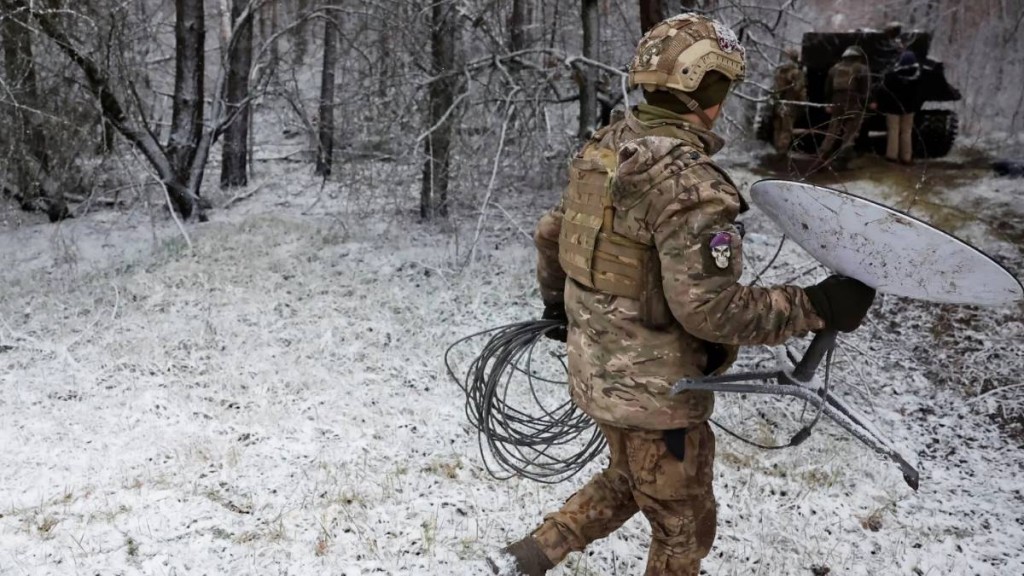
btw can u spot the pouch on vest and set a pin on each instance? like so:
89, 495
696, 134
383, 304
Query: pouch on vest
589, 250
843, 78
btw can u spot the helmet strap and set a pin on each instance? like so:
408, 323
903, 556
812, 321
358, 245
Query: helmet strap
694, 107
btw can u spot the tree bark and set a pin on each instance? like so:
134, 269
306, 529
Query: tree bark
236, 135
30, 158
519, 19
437, 145
274, 27
99, 85
187, 108
652, 12
300, 38
325, 147
591, 19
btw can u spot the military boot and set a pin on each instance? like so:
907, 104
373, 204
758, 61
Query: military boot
522, 558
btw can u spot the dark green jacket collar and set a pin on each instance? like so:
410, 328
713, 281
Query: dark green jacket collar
647, 118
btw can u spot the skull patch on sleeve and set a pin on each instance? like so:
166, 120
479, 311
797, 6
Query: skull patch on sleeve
721, 250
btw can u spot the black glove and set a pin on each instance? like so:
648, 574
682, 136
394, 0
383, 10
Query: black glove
556, 311
841, 302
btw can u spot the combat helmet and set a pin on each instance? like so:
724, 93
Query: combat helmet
676, 54
854, 52
893, 29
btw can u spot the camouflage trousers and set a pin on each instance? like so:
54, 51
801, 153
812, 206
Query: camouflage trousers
646, 476
843, 129
782, 127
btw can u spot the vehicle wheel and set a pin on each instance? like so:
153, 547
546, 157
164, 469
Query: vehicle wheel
934, 133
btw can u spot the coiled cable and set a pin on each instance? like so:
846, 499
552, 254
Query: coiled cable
507, 400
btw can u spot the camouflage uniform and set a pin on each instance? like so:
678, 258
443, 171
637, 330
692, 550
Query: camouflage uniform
847, 89
789, 84
625, 354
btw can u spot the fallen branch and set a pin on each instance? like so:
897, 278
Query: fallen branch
243, 196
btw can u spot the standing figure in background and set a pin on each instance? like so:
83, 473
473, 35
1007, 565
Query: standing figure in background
848, 91
891, 47
789, 85
899, 99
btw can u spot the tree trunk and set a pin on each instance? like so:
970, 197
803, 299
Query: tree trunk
98, 83
518, 21
236, 135
31, 160
437, 145
652, 12
587, 74
325, 148
300, 38
274, 26
187, 109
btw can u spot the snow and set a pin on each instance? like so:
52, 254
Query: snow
274, 401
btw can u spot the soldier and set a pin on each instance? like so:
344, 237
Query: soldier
848, 90
642, 257
891, 47
789, 84
899, 99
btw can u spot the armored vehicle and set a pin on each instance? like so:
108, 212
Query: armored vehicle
935, 128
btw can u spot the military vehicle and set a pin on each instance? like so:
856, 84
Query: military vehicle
935, 129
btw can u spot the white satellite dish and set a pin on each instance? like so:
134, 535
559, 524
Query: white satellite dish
890, 251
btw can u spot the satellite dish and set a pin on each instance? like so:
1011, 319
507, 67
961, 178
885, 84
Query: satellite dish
888, 250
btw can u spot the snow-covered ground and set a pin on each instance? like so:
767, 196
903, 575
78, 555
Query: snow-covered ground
273, 401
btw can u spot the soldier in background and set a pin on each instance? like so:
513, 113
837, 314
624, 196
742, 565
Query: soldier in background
892, 46
790, 85
848, 91
899, 99
642, 258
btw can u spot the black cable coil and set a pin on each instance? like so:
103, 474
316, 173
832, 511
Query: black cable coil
535, 442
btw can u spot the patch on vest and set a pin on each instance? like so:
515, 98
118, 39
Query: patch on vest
721, 250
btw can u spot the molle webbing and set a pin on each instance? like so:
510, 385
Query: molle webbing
589, 251
682, 39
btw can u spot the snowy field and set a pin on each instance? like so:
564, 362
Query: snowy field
272, 400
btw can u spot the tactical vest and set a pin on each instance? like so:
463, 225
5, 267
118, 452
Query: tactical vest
589, 249
843, 77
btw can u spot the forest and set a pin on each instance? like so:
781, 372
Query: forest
237, 238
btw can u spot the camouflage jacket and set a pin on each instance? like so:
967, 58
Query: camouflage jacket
667, 194
848, 84
789, 83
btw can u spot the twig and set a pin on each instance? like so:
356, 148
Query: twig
174, 215
993, 391
514, 223
494, 174
243, 196
443, 118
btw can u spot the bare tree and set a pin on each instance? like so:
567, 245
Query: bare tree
236, 136
437, 145
652, 12
39, 185
591, 19
518, 21
180, 164
189, 74
301, 32
325, 145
